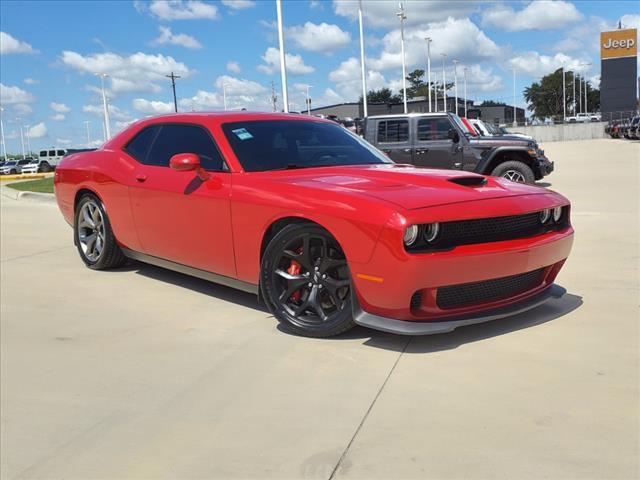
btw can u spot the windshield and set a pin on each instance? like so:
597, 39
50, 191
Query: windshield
281, 144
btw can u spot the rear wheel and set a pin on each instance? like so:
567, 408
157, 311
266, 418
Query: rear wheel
45, 167
515, 171
94, 238
305, 281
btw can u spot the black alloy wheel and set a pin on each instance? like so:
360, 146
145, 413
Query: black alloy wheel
306, 283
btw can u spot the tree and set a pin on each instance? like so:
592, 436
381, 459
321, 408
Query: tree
492, 103
544, 98
384, 95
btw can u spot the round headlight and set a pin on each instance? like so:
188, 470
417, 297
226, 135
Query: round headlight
545, 215
557, 214
431, 231
410, 235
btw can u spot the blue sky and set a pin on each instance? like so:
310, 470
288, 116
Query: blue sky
50, 50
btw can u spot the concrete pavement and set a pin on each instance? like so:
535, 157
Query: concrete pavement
145, 373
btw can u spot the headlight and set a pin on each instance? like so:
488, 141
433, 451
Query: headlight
557, 214
410, 235
431, 231
545, 215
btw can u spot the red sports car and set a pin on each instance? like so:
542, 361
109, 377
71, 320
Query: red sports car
324, 227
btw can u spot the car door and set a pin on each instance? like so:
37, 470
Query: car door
433, 147
392, 137
178, 216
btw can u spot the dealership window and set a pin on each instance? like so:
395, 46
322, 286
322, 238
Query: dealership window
393, 131
433, 129
181, 138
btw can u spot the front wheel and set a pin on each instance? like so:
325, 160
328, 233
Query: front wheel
306, 283
515, 171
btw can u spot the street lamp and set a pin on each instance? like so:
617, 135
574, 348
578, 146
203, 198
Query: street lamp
586, 101
428, 40
4, 145
402, 18
444, 84
362, 66
224, 96
27, 127
105, 108
86, 124
564, 98
308, 100
283, 64
465, 92
515, 121
19, 122
574, 92
455, 82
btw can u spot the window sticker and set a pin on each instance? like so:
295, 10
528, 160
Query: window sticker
242, 133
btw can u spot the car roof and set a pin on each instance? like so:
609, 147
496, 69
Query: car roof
413, 114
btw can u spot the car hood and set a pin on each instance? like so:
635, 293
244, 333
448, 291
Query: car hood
500, 141
407, 186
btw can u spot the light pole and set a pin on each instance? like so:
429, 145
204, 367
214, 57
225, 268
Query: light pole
573, 72
455, 82
283, 64
515, 121
363, 70
105, 107
465, 91
28, 138
21, 138
308, 101
4, 145
428, 39
224, 96
444, 84
86, 124
402, 18
580, 93
586, 100
564, 98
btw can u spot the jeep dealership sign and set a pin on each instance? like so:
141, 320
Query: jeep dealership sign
619, 43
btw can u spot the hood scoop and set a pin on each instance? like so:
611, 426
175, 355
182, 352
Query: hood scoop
475, 181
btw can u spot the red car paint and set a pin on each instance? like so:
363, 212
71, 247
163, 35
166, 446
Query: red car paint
220, 226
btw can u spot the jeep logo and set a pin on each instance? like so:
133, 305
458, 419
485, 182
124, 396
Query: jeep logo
629, 43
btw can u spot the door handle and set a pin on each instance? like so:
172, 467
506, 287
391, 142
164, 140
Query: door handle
141, 177
420, 151
457, 165
407, 150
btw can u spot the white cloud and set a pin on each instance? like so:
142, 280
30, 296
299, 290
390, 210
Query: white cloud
58, 117
238, 4
234, 67
155, 107
313, 4
59, 107
182, 39
120, 125
22, 109
63, 141
115, 113
139, 72
630, 21
321, 37
478, 80
458, 38
538, 15
9, 44
181, 10
239, 86
202, 100
382, 13
537, 65
38, 131
295, 63
347, 78
31, 81
14, 95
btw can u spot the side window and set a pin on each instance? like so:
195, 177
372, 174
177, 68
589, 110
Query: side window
60, 153
52, 153
43, 153
393, 131
433, 129
138, 146
174, 139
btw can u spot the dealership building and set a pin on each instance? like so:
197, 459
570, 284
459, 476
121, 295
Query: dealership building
618, 73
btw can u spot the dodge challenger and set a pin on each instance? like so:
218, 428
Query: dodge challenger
321, 225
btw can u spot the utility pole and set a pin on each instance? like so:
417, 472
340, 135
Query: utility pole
173, 85
308, 101
428, 39
465, 92
402, 18
444, 84
274, 97
574, 92
105, 108
580, 93
4, 145
86, 124
28, 138
21, 137
515, 118
283, 64
455, 82
363, 70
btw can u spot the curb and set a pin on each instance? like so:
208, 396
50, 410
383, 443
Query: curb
26, 176
37, 197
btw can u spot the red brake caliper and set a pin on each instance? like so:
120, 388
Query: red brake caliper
294, 269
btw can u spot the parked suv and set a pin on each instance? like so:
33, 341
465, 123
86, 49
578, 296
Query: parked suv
440, 140
49, 159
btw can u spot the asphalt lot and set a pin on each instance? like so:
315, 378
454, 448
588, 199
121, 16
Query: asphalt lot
145, 373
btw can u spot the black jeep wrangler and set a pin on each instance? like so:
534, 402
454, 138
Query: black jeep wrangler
440, 140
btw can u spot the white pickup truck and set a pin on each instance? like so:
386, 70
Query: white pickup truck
583, 118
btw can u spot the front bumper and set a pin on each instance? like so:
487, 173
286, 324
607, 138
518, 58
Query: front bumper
403, 327
545, 166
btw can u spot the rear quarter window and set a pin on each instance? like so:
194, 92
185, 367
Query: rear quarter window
138, 147
393, 131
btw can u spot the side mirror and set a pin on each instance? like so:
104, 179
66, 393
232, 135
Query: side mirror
184, 162
453, 135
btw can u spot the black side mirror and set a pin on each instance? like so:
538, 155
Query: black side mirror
453, 135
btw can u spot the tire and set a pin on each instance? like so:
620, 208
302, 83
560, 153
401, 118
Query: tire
13, 172
45, 167
305, 282
515, 171
91, 221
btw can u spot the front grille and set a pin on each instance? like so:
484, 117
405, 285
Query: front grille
456, 296
416, 300
485, 230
